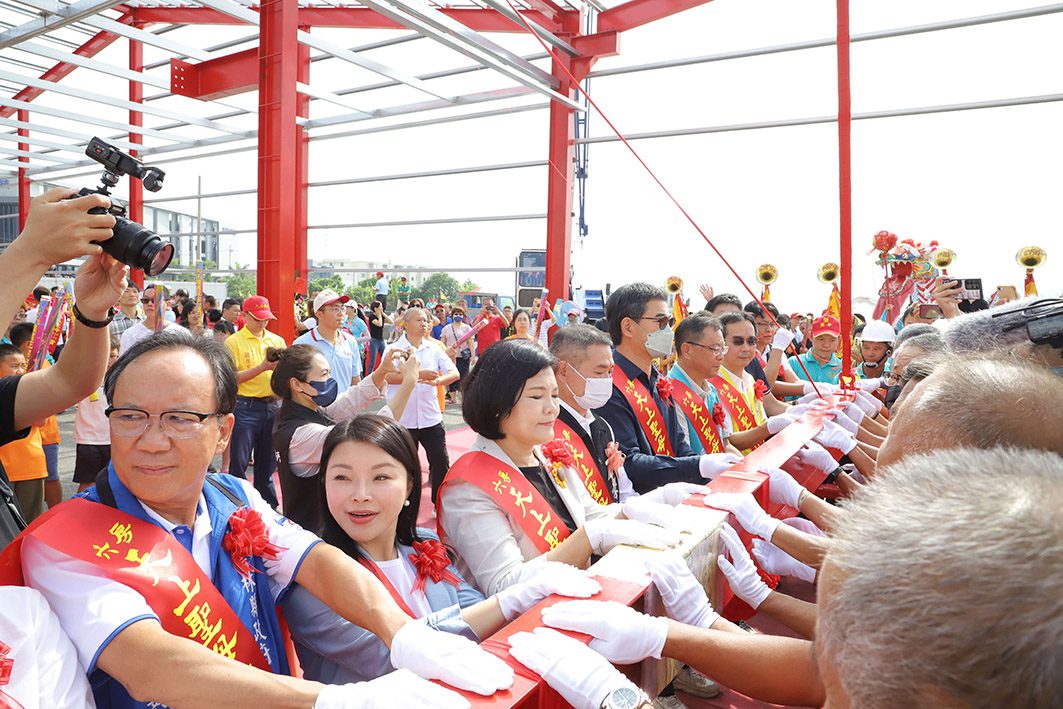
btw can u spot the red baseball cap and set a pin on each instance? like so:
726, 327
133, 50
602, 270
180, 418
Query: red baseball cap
258, 307
826, 325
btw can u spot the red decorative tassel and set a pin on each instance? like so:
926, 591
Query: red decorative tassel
430, 560
718, 416
664, 388
760, 389
248, 536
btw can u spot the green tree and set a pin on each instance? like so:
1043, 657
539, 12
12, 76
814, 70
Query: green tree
469, 286
240, 285
436, 284
334, 282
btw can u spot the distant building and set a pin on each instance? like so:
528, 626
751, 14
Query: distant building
346, 270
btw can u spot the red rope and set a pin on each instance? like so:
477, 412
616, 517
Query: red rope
653, 176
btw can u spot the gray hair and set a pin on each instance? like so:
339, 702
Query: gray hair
913, 330
931, 343
946, 576
570, 343
996, 328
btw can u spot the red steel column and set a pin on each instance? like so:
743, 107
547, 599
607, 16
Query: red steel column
559, 190
302, 164
23, 179
278, 171
136, 118
845, 186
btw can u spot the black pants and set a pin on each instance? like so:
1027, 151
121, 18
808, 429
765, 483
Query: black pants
463, 373
434, 440
383, 298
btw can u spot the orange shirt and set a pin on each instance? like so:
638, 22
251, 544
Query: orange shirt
50, 431
24, 459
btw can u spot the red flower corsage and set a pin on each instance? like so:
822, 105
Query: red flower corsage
430, 560
718, 416
560, 455
248, 537
760, 389
664, 388
614, 457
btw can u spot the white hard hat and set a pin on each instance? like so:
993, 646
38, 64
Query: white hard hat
878, 331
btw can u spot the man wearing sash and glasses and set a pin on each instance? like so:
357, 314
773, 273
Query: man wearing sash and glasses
641, 409
162, 576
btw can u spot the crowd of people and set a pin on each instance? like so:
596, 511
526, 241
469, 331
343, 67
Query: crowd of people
937, 560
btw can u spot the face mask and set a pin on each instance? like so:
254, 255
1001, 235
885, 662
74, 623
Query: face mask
596, 393
659, 343
326, 391
458, 318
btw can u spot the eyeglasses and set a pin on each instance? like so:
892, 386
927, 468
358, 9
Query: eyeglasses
739, 341
715, 349
662, 321
132, 423
146, 301
332, 308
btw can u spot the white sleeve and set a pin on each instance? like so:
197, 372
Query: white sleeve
627, 490
304, 451
92, 608
45, 671
355, 400
444, 364
294, 541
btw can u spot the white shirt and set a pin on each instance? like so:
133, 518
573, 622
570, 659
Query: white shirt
403, 577
45, 673
492, 550
422, 410
90, 422
304, 451
382, 286
627, 490
93, 608
140, 331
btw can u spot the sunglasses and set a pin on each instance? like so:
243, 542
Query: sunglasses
739, 341
145, 301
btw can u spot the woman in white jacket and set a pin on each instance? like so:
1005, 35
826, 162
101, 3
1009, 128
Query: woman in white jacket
514, 501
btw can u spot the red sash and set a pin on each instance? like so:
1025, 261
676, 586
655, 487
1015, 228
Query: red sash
585, 465
386, 582
744, 419
694, 408
646, 411
514, 493
165, 574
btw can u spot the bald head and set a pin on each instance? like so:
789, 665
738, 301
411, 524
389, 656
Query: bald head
978, 402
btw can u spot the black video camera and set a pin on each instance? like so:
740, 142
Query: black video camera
1043, 320
133, 244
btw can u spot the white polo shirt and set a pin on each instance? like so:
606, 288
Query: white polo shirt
140, 331
422, 410
93, 609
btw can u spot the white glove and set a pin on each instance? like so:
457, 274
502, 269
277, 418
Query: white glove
605, 533
782, 340
398, 688
741, 573
854, 412
621, 634
581, 676
799, 409
870, 401
680, 517
712, 464
818, 457
683, 595
778, 423
810, 391
834, 436
840, 419
746, 510
672, 493
775, 561
456, 660
869, 384
783, 489
805, 525
550, 578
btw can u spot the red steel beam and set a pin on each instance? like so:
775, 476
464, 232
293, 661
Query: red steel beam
636, 13
136, 118
99, 42
23, 178
302, 172
355, 17
222, 76
278, 138
559, 189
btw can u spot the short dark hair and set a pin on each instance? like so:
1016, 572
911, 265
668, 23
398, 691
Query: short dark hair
572, 340
224, 325
495, 383
732, 318
214, 316
392, 438
41, 291
181, 293
21, 333
294, 361
722, 299
210, 301
7, 350
693, 327
213, 352
230, 302
629, 301
754, 309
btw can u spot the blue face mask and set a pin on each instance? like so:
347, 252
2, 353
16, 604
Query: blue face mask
326, 391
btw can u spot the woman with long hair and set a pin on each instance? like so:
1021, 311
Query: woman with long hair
520, 328
370, 491
515, 500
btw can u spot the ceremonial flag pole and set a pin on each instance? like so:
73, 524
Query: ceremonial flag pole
542, 310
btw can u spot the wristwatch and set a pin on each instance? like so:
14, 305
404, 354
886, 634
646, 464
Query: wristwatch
97, 324
624, 698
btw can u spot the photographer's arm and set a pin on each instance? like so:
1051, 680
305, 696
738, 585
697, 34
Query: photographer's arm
56, 231
99, 282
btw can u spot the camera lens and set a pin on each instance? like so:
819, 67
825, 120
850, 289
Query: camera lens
138, 247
